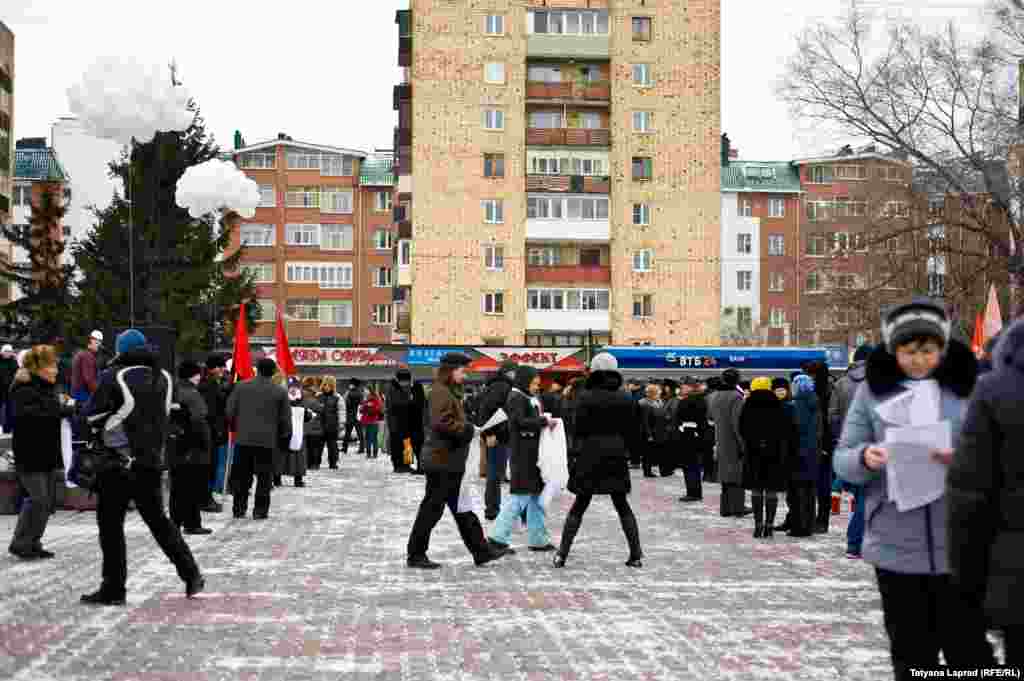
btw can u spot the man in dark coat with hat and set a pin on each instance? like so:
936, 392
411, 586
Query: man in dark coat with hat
189, 451
724, 407
353, 398
401, 413
690, 426
214, 390
495, 397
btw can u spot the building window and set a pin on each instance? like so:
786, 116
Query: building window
268, 196
557, 208
494, 73
383, 240
643, 305
494, 24
821, 174
336, 201
744, 279
936, 284
254, 234
404, 253
494, 303
336, 237
570, 299
262, 273
337, 165
744, 320
776, 244
840, 241
816, 244
744, 243
642, 260
22, 194
813, 282
643, 168
336, 313
746, 208
268, 310
548, 256
336, 276
641, 214
547, 120
494, 211
494, 165
851, 173
642, 75
303, 197
777, 208
383, 315
643, 121
590, 257
776, 282
777, 318
257, 160
641, 29
494, 258
382, 202
896, 209
845, 281
570, 22
303, 160
494, 119
302, 309
382, 277
891, 173
302, 235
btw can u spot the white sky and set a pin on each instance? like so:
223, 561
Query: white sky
324, 72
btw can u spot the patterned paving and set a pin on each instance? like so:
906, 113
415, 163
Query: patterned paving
320, 592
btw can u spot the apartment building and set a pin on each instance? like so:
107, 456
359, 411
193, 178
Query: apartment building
558, 172
761, 212
321, 241
6, 139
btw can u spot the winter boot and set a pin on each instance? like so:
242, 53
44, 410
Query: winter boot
823, 516
632, 532
771, 504
572, 526
758, 501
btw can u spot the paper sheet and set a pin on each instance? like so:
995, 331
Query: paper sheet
66, 449
469, 493
914, 479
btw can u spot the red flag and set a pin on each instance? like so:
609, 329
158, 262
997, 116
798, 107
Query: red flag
978, 340
241, 361
993, 317
284, 354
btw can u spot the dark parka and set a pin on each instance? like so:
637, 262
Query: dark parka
197, 444
769, 442
607, 429
400, 411
494, 397
809, 418
447, 439
37, 413
724, 409
329, 403
525, 423
985, 488
690, 431
215, 393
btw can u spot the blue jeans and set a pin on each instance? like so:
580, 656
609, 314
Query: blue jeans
855, 530
537, 532
371, 430
497, 462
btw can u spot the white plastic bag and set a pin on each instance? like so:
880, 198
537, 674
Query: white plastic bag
553, 462
298, 421
469, 493
66, 449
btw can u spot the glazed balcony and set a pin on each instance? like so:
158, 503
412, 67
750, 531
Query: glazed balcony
572, 91
401, 93
569, 274
568, 137
561, 46
575, 184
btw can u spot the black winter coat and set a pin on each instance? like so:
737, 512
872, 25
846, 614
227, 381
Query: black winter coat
353, 398
8, 368
690, 428
329, 416
494, 397
985, 488
525, 424
608, 428
552, 403
216, 395
399, 411
196, 444
769, 442
37, 414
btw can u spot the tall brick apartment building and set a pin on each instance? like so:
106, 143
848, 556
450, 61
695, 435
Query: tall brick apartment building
321, 242
559, 172
6, 139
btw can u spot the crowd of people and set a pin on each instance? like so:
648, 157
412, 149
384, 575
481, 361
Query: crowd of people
947, 569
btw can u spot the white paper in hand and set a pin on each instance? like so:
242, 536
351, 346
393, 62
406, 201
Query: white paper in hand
914, 478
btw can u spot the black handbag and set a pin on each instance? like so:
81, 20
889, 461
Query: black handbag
91, 460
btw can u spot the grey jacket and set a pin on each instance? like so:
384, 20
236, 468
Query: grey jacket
724, 409
842, 396
261, 414
912, 542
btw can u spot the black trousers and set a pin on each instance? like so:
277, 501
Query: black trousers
928, 613
349, 427
331, 440
252, 462
692, 476
802, 509
627, 519
733, 500
116, 490
189, 488
443, 490
710, 465
314, 451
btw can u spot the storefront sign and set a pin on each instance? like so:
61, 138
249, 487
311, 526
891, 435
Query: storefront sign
538, 358
749, 359
428, 356
347, 357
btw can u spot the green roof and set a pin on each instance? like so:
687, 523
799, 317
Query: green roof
38, 164
736, 178
377, 172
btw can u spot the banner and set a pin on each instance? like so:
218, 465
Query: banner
427, 356
343, 356
538, 358
716, 359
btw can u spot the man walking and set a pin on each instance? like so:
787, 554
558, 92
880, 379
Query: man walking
262, 418
496, 439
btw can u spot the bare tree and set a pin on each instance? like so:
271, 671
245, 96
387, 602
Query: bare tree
944, 103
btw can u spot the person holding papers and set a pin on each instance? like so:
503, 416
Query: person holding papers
897, 442
986, 491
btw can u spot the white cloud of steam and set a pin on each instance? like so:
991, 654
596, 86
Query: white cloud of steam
215, 185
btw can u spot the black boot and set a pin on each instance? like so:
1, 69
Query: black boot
771, 505
824, 514
758, 501
572, 526
632, 531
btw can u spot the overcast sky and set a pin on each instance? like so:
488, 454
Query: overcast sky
324, 71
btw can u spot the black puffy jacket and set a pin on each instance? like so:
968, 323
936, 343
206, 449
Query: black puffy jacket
36, 441
329, 417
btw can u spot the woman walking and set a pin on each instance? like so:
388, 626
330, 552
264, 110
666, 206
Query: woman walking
372, 415
607, 430
38, 457
525, 423
444, 462
768, 441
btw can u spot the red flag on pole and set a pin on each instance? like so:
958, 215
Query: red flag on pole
978, 339
993, 316
284, 353
241, 361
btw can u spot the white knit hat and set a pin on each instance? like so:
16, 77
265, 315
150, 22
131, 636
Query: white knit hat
604, 362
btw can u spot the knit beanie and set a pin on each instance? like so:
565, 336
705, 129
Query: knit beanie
803, 384
762, 383
129, 340
921, 317
604, 362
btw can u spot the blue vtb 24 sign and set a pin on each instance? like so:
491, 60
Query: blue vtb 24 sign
715, 358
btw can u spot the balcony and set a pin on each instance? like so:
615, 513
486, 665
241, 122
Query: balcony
403, 137
600, 91
558, 45
575, 184
561, 231
569, 274
568, 137
405, 51
401, 93
398, 213
568, 320
405, 229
